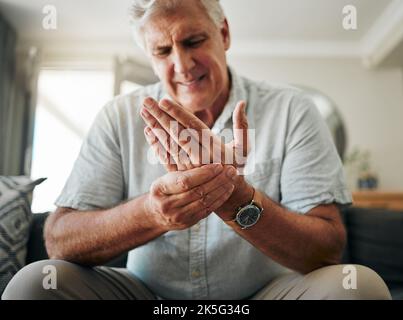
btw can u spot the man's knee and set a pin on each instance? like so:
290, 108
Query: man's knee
352, 282
38, 280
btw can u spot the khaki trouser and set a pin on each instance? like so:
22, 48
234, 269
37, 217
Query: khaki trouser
78, 282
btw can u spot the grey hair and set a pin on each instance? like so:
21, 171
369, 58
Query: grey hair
141, 10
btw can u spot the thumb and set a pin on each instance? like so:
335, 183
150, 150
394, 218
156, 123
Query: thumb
240, 142
240, 127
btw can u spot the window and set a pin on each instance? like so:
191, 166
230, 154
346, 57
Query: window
68, 102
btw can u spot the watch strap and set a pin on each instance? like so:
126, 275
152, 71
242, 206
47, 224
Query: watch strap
257, 201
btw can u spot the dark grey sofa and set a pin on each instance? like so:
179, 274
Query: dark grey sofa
375, 239
36, 247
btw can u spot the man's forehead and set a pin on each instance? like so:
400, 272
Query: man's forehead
160, 35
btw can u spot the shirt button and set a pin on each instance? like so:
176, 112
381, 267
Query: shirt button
195, 273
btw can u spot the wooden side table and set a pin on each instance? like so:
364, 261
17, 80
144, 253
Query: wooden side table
378, 199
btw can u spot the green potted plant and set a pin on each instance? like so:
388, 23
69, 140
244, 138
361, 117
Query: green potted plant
359, 161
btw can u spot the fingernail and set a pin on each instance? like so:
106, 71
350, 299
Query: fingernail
217, 168
145, 113
231, 172
148, 103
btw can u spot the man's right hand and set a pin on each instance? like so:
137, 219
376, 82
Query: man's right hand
180, 199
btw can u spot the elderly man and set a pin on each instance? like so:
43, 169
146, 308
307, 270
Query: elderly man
200, 230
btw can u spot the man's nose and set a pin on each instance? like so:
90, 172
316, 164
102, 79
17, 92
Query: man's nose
183, 62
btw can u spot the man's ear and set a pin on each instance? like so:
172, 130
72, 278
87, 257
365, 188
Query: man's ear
226, 34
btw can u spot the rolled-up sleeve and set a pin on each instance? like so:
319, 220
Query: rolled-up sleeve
312, 172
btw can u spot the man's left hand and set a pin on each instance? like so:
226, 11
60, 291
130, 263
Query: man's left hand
169, 127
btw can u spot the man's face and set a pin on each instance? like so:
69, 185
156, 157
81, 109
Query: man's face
187, 52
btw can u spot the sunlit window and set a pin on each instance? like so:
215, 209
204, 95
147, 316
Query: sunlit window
68, 102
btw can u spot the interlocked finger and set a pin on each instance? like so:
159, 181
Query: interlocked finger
224, 196
205, 203
200, 191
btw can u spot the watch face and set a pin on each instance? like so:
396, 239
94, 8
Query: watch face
249, 215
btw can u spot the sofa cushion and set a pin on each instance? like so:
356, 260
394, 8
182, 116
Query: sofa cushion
375, 239
15, 218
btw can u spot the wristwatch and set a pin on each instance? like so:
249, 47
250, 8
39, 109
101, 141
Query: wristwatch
248, 215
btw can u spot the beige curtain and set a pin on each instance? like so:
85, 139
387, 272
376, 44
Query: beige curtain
18, 80
8, 40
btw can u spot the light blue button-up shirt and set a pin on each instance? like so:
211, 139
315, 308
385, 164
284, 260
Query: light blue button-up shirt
295, 164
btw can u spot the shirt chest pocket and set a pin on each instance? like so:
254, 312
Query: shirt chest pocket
265, 176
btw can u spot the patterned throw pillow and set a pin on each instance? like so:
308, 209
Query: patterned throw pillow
15, 218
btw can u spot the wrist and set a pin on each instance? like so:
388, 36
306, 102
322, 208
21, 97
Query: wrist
152, 218
241, 196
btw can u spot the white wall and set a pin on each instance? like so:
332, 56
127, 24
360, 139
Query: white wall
370, 101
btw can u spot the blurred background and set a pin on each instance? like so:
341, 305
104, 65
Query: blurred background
61, 61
